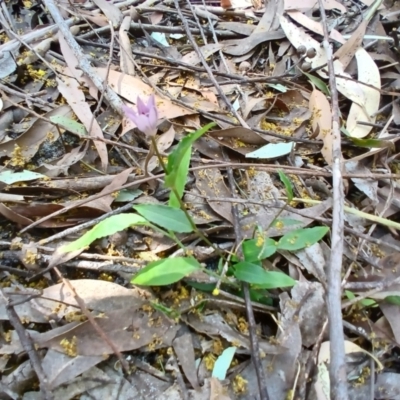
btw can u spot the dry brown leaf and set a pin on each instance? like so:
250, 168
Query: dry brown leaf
113, 13
368, 73
128, 328
75, 97
60, 368
130, 87
62, 165
217, 391
73, 65
210, 183
95, 17
365, 99
306, 5
126, 57
104, 202
322, 122
27, 144
208, 50
241, 140
215, 325
346, 52
183, 347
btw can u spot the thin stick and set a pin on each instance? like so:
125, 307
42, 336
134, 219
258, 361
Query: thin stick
84, 64
337, 368
29, 347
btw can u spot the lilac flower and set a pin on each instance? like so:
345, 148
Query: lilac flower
146, 117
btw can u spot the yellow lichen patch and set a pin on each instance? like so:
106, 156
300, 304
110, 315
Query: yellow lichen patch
268, 126
237, 144
243, 326
239, 384
218, 347
209, 361
30, 257
260, 239
75, 316
36, 75
70, 347
17, 158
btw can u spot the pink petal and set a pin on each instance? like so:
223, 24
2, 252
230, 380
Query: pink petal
129, 113
142, 108
151, 102
153, 117
142, 122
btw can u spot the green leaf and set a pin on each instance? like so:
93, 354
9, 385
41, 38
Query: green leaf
173, 219
288, 185
255, 274
10, 177
104, 228
278, 86
167, 271
363, 302
319, 83
276, 280
272, 150
372, 143
177, 156
223, 363
301, 238
126, 195
169, 312
258, 249
181, 176
393, 300
70, 125
205, 287
350, 295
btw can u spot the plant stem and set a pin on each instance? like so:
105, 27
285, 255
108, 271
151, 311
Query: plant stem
182, 204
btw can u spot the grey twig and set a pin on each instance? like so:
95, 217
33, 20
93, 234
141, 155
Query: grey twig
84, 64
206, 66
337, 370
29, 347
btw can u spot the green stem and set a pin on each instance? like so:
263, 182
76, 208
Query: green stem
182, 204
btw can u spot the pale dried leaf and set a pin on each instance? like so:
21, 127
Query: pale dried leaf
75, 97
113, 13
126, 62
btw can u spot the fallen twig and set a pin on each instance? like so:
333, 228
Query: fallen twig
337, 368
29, 347
109, 94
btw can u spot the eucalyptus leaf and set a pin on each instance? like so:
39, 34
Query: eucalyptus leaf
127, 195
70, 125
10, 177
319, 83
223, 363
272, 150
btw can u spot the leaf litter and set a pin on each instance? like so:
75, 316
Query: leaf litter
164, 232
